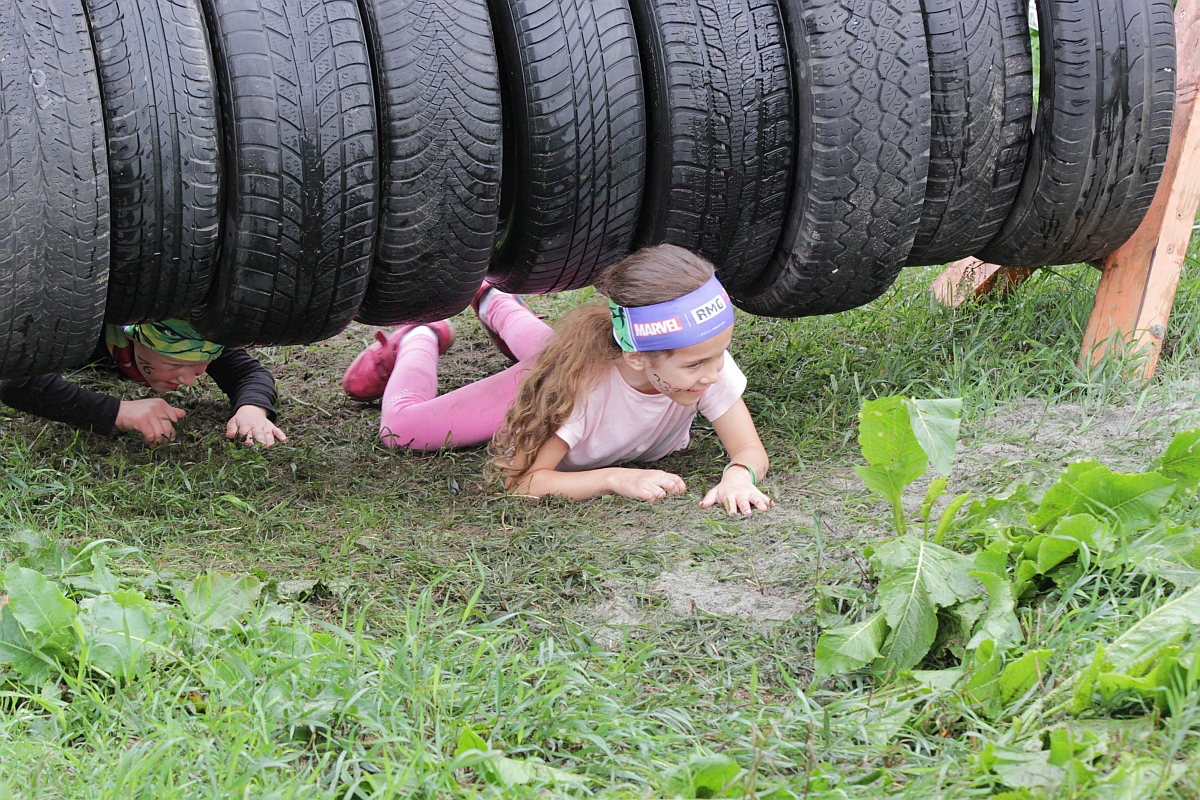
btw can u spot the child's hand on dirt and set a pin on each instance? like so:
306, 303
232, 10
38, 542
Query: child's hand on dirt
647, 484
154, 418
251, 422
737, 494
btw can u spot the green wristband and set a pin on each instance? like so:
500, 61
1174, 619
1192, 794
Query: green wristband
747, 467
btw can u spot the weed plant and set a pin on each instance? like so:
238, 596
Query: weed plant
420, 602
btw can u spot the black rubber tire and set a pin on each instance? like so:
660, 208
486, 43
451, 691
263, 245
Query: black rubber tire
721, 130
54, 208
981, 77
438, 85
160, 111
863, 111
1103, 125
302, 170
575, 149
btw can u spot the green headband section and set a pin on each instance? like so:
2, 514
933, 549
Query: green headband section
174, 338
621, 331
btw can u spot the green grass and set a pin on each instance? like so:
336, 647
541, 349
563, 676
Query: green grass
399, 544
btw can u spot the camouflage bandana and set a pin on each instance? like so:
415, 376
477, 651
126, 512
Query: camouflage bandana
173, 338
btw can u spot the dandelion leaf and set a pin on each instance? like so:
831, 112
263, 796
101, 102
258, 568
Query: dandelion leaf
702, 776
850, 647
999, 623
935, 425
45, 614
1131, 500
1019, 676
121, 631
216, 599
1165, 625
918, 577
982, 685
1181, 462
20, 655
890, 447
500, 770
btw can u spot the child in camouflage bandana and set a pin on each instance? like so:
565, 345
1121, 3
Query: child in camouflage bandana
161, 356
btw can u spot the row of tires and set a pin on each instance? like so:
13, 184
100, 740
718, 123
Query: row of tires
273, 169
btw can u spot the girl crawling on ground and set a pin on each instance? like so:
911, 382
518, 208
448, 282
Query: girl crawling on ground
161, 356
612, 383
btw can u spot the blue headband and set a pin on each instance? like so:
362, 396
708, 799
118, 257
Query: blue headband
691, 319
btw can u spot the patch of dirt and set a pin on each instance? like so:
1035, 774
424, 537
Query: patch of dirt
1045, 439
696, 591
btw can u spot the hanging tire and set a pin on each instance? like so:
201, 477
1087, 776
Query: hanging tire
981, 78
54, 208
861, 73
302, 169
1103, 125
575, 141
720, 130
160, 112
438, 87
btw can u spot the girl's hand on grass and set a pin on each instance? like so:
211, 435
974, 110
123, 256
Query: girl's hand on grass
737, 494
154, 418
251, 422
647, 484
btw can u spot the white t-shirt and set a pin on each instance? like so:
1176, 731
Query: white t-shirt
617, 423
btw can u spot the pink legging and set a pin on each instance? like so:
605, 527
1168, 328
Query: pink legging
414, 416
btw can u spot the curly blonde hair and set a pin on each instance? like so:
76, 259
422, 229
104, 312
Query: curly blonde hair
583, 350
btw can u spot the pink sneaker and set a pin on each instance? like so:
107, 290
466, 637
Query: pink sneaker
495, 337
367, 376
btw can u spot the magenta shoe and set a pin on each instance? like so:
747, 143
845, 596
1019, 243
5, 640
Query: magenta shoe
495, 337
367, 376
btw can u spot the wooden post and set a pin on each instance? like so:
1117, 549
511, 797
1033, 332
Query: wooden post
971, 278
1137, 288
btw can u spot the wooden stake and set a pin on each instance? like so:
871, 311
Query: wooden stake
971, 278
1133, 302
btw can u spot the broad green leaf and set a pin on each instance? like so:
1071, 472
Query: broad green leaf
993, 558
216, 599
935, 424
885, 481
887, 440
21, 655
45, 614
1151, 686
1085, 682
1131, 500
917, 577
1065, 539
1181, 462
499, 770
956, 625
1000, 623
1135, 773
702, 776
1164, 625
1059, 500
1021, 769
120, 632
982, 686
882, 725
1019, 676
850, 647
1173, 556
938, 680
1025, 571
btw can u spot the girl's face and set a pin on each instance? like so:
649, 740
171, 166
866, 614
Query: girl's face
164, 373
686, 373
